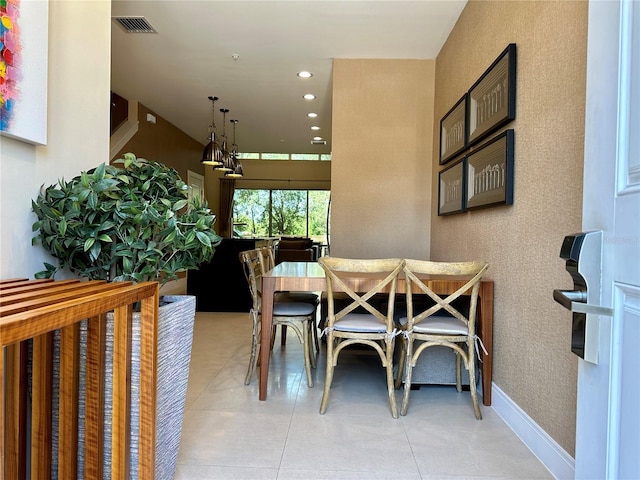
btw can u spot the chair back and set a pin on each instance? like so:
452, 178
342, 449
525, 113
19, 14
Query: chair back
383, 278
267, 258
251, 266
418, 273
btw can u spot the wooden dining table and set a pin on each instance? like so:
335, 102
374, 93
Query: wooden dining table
310, 277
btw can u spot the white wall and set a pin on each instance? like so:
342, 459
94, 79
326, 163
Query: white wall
78, 126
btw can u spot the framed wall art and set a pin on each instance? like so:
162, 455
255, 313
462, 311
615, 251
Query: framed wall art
489, 173
492, 99
451, 189
23, 63
453, 131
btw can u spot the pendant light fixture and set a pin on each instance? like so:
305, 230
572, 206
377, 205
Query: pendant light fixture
237, 171
212, 154
226, 158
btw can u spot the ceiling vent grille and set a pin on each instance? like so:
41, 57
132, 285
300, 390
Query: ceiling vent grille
318, 142
134, 24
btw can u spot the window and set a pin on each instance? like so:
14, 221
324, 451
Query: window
270, 213
325, 157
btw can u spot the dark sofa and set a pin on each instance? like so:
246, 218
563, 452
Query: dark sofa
294, 249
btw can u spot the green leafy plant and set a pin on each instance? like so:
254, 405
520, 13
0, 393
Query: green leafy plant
131, 223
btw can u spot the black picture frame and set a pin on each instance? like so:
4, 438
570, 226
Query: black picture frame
453, 131
492, 99
489, 173
451, 189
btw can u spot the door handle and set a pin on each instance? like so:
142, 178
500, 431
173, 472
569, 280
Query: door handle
576, 301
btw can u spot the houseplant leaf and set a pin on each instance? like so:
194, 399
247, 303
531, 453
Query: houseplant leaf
134, 222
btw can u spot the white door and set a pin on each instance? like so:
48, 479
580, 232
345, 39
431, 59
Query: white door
608, 422
196, 182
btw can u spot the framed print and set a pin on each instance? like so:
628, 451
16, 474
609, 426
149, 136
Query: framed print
23, 70
492, 99
453, 131
451, 189
489, 173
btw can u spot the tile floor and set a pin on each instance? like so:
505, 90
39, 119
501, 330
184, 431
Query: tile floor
228, 434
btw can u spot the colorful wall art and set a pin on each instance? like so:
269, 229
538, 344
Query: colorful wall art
23, 69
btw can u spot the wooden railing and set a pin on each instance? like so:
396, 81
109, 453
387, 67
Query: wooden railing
34, 309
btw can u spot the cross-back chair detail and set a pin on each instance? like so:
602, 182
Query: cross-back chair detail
267, 257
349, 325
430, 326
297, 315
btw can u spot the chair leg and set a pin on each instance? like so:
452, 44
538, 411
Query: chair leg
471, 366
390, 380
307, 353
458, 372
253, 360
408, 367
328, 375
273, 336
401, 363
310, 338
314, 329
283, 336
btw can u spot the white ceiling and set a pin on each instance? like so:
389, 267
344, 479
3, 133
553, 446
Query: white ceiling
174, 71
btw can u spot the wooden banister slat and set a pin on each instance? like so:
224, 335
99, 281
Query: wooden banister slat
3, 456
94, 396
148, 382
22, 325
25, 285
8, 281
41, 408
16, 410
121, 393
52, 298
68, 405
34, 310
47, 290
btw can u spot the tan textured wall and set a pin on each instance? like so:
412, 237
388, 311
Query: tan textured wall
164, 143
532, 363
382, 144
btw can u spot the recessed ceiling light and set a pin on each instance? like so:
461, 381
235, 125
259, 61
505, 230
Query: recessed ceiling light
305, 74
315, 127
312, 115
317, 138
309, 96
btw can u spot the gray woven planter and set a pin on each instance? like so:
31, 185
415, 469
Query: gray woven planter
175, 337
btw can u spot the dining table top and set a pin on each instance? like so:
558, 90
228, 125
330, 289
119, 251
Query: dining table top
311, 275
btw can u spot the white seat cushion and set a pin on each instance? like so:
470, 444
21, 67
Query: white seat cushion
290, 309
360, 322
441, 325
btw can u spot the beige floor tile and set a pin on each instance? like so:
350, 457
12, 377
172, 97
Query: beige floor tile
209, 472
229, 434
348, 443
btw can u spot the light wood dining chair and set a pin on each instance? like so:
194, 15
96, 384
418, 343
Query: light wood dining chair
440, 321
297, 315
267, 262
346, 325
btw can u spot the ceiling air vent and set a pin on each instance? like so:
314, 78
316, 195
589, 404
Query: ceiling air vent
135, 24
318, 142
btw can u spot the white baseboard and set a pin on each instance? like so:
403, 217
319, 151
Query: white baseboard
553, 456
